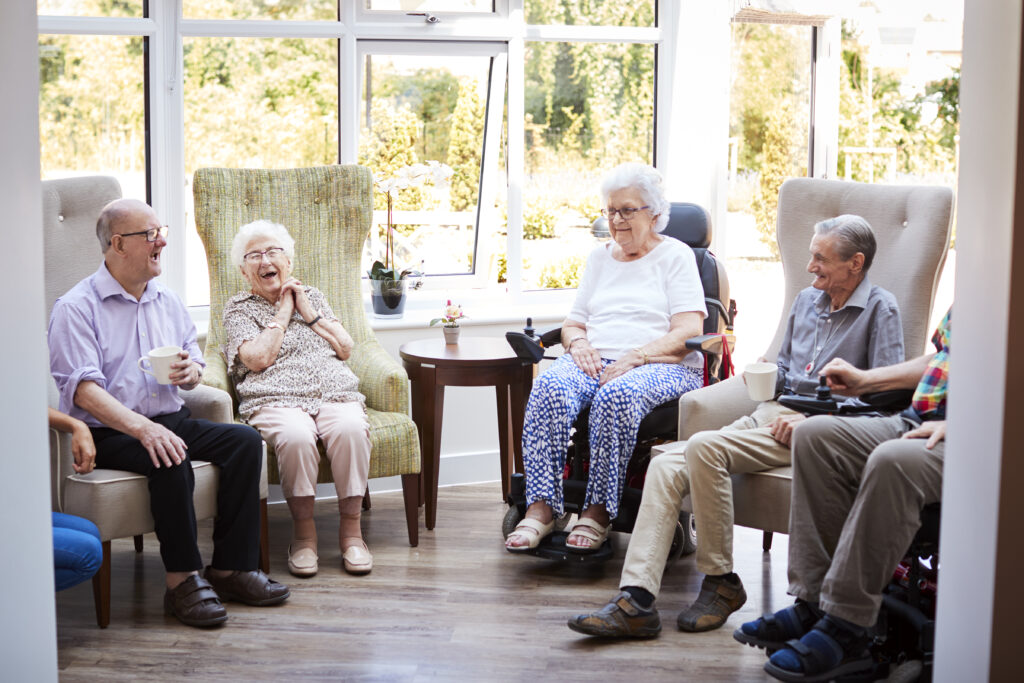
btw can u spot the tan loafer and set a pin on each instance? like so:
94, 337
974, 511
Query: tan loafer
357, 560
303, 562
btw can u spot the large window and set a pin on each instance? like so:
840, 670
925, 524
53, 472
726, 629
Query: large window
255, 103
425, 104
589, 107
92, 108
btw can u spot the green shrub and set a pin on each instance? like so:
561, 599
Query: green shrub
563, 274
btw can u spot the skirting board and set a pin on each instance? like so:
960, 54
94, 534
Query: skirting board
457, 468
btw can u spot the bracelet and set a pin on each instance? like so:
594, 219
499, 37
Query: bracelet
315, 320
644, 354
574, 340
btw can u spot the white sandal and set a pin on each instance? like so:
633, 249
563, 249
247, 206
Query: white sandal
534, 531
588, 528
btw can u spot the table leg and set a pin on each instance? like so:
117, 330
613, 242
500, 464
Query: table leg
504, 434
520, 392
427, 412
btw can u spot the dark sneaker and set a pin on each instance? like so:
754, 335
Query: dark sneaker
620, 618
194, 603
251, 588
718, 598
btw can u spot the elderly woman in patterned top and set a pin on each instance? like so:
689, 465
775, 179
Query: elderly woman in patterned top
625, 339
286, 353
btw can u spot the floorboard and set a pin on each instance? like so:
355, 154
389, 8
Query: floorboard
458, 607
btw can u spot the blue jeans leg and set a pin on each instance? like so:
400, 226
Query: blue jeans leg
77, 551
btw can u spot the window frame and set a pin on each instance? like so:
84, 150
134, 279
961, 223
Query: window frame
165, 27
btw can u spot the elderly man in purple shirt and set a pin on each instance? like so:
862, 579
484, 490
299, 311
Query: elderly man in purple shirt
97, 333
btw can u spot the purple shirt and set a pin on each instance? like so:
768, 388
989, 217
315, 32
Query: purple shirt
98, 332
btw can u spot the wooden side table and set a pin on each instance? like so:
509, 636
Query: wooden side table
473, 362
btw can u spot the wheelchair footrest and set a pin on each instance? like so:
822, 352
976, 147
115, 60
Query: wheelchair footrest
553, 548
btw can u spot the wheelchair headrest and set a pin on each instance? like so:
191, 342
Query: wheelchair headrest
689, 223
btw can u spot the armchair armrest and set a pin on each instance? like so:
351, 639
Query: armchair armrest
208, 403
216, 373
714, 406
382, 379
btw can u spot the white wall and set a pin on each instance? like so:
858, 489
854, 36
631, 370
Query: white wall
28, 643
974, 454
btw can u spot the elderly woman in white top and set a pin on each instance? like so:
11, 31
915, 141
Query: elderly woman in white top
638, 302
286, 352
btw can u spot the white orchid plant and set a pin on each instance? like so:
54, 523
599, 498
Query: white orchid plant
413, 175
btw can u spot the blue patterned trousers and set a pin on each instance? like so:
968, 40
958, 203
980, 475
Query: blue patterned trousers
616, 409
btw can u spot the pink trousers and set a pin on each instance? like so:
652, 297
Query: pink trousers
345, 433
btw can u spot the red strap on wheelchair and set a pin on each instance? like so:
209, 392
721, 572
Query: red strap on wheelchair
727, 367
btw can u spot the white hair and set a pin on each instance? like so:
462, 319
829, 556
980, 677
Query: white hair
261, 228
648, 181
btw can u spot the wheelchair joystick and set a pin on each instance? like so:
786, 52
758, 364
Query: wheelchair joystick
824, 393
528, 330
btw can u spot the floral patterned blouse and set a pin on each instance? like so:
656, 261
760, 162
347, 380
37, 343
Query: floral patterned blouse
307, 372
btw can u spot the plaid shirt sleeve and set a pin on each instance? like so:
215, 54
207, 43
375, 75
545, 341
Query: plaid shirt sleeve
930, 396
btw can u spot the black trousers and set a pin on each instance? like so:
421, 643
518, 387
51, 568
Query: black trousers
236, 449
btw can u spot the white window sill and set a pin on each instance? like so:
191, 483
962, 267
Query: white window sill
482, 307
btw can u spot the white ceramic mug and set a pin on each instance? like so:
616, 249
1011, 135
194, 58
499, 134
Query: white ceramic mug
760, 379
160, 360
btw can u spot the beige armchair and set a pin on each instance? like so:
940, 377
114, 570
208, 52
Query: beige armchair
116, 501
912, 225
329, 211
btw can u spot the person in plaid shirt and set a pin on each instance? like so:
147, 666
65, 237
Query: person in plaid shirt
859, 484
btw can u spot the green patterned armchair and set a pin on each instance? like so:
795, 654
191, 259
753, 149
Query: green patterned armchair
328, 210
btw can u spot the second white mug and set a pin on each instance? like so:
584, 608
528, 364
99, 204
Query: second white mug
159, 360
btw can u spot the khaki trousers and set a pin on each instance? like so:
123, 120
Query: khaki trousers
858, 491
703, 471
293, 432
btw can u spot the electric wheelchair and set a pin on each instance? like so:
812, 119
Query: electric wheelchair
690, 224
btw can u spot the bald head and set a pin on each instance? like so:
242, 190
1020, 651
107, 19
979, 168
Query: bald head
114, 215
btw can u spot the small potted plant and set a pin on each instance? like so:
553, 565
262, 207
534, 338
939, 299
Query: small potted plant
452, 315
387, 282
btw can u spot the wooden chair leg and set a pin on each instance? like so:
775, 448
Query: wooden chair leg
411, 494
138, 543
766, 541
101, 588
264, 538
366, 498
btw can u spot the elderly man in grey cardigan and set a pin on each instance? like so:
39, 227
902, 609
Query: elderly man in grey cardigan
841, 315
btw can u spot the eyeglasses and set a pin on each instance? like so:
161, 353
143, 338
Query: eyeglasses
150, 234
625, 213
255, 257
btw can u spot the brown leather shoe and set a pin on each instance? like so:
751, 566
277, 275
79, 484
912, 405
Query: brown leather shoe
620, 618
252, 588
194, 603
718, 599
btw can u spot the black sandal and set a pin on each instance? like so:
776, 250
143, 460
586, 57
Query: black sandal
825, 652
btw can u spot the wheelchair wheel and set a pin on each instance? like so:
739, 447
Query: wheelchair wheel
684, 540
510, 521
907, 672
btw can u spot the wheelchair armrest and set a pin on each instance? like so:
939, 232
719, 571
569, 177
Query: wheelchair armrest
710, 343
892, 400
526, 348
552, 337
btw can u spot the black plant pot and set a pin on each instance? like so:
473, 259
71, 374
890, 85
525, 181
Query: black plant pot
387, 298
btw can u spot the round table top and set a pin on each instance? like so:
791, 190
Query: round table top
482, 351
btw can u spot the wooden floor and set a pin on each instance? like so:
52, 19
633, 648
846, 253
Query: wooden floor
458, 607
